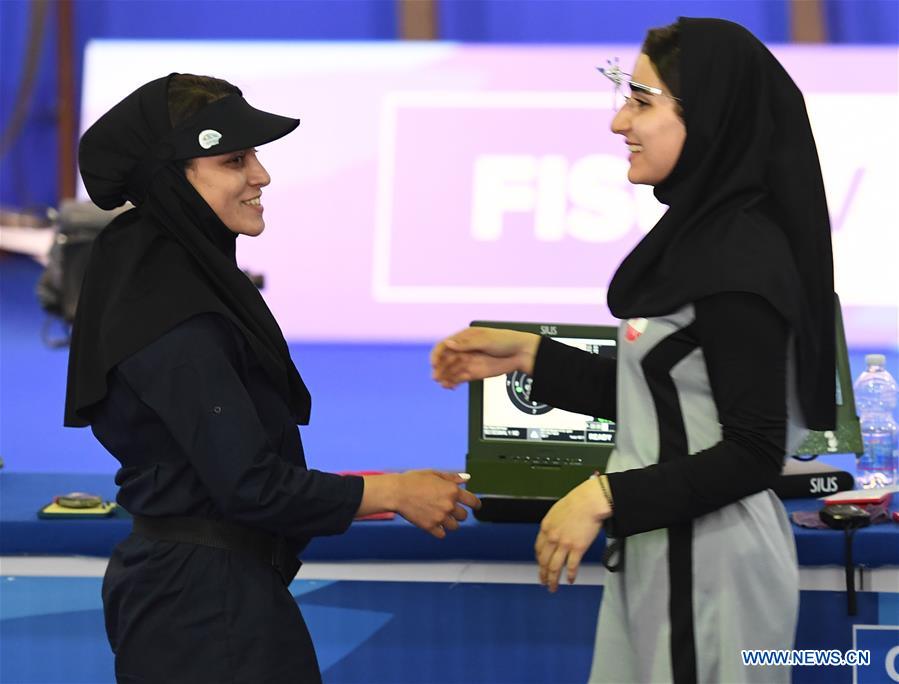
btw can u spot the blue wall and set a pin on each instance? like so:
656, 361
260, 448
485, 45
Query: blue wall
862, 21
599, 21
28, 174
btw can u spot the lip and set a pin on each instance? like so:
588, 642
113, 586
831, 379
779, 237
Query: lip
260, 209
630, 154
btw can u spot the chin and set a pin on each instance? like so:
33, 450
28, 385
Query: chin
637, 178
253, 231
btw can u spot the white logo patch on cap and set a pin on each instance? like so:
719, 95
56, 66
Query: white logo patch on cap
209, 138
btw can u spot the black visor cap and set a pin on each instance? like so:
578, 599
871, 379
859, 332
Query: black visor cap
226, 125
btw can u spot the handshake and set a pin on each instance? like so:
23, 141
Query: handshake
434, 500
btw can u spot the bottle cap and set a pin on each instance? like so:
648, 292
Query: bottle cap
875, 359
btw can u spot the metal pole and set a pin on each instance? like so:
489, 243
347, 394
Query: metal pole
66, 105
851, 605
418, 19
807, 23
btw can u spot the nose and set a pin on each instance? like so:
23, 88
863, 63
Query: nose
257, 175
621, 123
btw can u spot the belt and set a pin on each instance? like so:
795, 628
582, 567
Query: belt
267, 548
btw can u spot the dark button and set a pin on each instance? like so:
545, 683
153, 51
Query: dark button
216, 410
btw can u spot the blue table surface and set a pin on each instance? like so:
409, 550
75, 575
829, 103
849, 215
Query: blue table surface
22, 532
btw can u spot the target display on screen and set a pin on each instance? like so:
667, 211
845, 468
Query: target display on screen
509, 413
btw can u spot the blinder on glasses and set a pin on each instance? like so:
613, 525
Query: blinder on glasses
625, 86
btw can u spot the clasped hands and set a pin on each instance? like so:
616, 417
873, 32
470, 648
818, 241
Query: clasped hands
574, 522
431, 499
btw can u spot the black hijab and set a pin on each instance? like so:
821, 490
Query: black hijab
747, 210
171, 257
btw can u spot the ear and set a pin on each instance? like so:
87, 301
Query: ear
190, 169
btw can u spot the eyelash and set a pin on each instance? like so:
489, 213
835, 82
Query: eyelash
238, 158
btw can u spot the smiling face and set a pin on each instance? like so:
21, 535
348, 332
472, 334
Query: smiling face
652, 128
232, 186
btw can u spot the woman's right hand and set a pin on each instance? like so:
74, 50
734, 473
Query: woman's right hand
477, 353
431, 500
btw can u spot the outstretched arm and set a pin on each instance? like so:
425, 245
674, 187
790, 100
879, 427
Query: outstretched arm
564, 377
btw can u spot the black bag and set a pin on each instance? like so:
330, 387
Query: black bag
58, 288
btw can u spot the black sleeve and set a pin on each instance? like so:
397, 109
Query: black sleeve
574, 380
744, 341
191, 379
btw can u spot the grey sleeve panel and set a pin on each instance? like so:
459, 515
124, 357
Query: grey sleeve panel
574, 380
739, 342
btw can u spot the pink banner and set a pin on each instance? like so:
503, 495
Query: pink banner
430, 185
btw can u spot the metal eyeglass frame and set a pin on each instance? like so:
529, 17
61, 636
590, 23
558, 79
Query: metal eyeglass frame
614, 73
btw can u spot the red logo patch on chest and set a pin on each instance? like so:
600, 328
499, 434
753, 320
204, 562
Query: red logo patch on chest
635, 328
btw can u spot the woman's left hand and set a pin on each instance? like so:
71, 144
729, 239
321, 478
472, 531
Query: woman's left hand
568, 530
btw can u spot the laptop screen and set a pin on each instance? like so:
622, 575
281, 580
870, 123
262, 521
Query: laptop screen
523, 452
509, 413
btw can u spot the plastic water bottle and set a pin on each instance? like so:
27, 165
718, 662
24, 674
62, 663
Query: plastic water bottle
875, 397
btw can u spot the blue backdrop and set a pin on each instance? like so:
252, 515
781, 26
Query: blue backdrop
374, 405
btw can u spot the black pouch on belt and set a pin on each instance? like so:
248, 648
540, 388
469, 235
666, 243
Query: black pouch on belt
267, 548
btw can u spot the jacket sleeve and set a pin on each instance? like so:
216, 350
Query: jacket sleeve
744, 341
191, 379
574, 380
